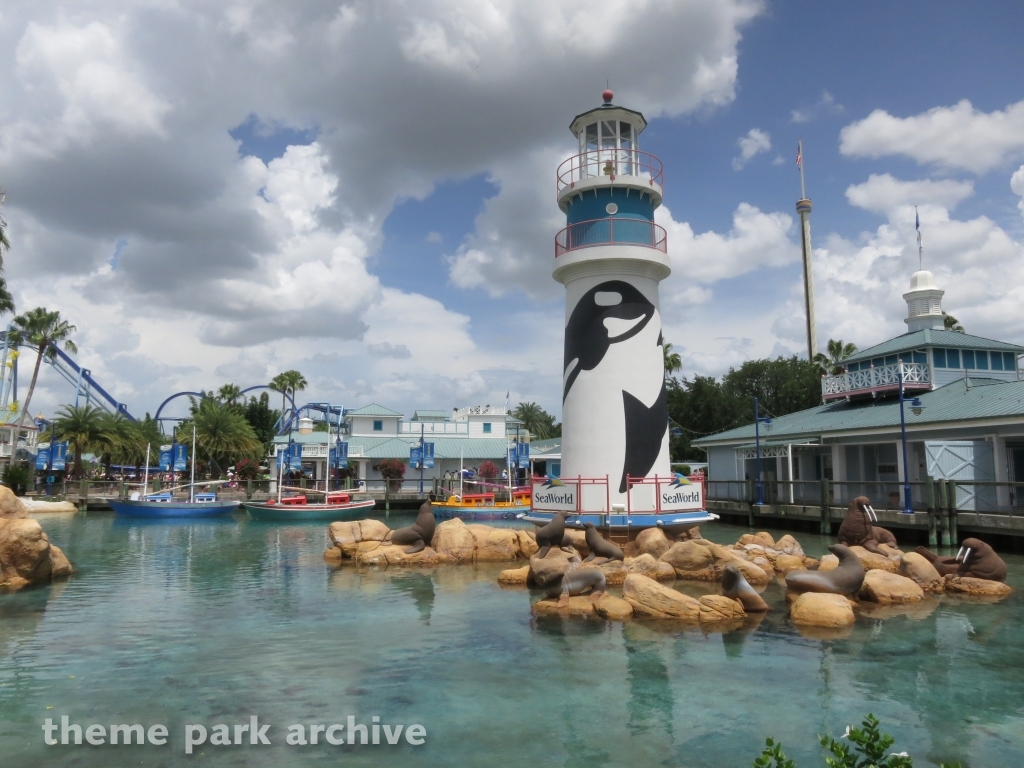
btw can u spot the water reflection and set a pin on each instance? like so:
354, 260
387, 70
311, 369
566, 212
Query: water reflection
420, 588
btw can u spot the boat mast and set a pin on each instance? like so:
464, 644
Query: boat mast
461, 451
192, 486
145, 481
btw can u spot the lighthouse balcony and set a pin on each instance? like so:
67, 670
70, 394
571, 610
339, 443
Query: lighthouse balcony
875, 380
611, 231
629, 168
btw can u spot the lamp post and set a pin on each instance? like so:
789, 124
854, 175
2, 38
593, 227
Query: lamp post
757, 442
916, 406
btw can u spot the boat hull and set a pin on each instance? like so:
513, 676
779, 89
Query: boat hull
154, 510
305, 512
452, 511
673, 523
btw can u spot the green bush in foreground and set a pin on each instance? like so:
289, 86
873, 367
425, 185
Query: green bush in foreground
864, 747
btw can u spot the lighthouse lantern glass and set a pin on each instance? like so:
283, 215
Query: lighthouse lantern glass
607, 146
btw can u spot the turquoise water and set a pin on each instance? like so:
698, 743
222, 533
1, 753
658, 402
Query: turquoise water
212, 622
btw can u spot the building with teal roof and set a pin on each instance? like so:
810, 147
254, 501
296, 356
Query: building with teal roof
969, 426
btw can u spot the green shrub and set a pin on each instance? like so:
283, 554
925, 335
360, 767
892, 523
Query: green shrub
864, 747
17, 477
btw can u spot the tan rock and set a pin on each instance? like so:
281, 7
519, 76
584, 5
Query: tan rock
720, 608
577, 606
653, 599
41, 507
812, 563
24, 549
689, 535
819, 609
764, 539
764, 564
333, 556
967, 585
789, 546
527, 543
786, 563
59, 563
916, 567
645, 564
393, 554
693, 560
870, 560
360, 547
372, 530
344, 532
579, 541
828, 562
11, 507
665, 572
755, 575
652, 541
613, 608
494, 545
514, 575
614, 571
454, 542
745, 539
885, 588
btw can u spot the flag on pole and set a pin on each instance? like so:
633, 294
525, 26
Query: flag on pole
509, 392
799, 156
917, 225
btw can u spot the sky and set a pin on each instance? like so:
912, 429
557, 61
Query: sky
215, 192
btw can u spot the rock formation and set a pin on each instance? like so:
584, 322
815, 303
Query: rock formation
26, 554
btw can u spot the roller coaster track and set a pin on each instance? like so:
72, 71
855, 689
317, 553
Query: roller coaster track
86, 387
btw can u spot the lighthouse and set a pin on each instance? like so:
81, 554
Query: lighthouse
610, 257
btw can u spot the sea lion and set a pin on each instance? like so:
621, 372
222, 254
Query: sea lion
845, 579
736, 587
419, 534
975, 558
576, 581
857, 528
551, 535
599, 546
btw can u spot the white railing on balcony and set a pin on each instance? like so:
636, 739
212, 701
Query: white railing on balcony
433, 427
882, 377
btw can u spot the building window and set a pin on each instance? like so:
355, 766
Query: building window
1009, 361
967, 356
487, 427
946, 358
378, 425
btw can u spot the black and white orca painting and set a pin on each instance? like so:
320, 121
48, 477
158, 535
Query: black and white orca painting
614, 412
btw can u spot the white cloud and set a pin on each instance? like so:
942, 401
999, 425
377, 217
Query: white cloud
434, 237
958, 137
755, 142
883, 193
114, 128
826, 105
1017, 185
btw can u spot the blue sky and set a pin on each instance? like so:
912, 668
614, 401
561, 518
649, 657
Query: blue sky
365, 192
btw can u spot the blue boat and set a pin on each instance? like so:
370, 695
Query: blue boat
163, 505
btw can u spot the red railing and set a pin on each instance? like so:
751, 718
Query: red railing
586, 234
611, 163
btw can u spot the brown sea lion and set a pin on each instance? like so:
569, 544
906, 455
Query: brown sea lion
857, 528
419, 534
845, 579
736, 587
601, 547
551, 535
975, 558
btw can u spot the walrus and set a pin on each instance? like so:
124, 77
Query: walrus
844, 579
857, 528
975, 559
736, 587
599, 546
419, 534
551, 535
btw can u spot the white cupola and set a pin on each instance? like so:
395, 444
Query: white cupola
924, 302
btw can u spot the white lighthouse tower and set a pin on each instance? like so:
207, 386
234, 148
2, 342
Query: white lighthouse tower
610, 257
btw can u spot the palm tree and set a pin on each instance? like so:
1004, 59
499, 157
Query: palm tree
673, 362
831, 363
228, 393
83, 427
538, 422
221, 432
288, 383
44, 330
950, 323
6, 300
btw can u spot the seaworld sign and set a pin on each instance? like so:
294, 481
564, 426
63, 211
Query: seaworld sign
680, 496
555, 496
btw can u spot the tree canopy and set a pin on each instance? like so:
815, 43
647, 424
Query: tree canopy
538, 422
704, 405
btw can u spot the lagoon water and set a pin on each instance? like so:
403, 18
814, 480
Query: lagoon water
212, 622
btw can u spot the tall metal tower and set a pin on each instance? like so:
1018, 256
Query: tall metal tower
803, 208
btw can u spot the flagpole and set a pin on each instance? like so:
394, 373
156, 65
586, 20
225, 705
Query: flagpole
803, 209
920, 247
800, 154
